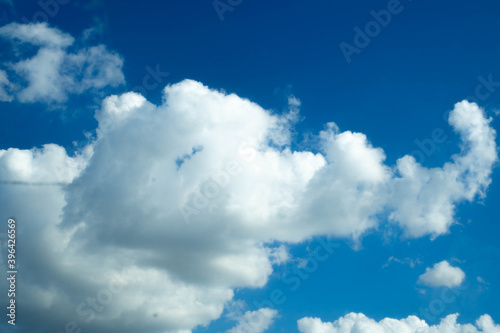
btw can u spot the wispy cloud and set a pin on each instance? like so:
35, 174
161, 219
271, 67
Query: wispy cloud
54, 72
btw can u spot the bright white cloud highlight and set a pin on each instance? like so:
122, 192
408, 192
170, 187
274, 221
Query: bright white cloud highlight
57, 69
255, 321
424, 199
442, 274
359, 323
225, 164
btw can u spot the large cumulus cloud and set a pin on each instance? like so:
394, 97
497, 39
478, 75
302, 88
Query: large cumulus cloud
181, 202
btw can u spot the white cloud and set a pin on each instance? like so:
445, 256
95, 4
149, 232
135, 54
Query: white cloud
359, 323
442, 274
123, 213
39, 34
424, 199
54, 71
481, 280
406, 261
5, 87
255, 321
279, 255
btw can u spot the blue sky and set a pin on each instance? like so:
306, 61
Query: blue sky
399, 90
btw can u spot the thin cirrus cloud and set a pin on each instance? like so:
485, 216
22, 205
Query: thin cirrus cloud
57, 69
442, 274
184, 236
359, 323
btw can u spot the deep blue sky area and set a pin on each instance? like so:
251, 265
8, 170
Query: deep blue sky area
398, 89
395, 90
